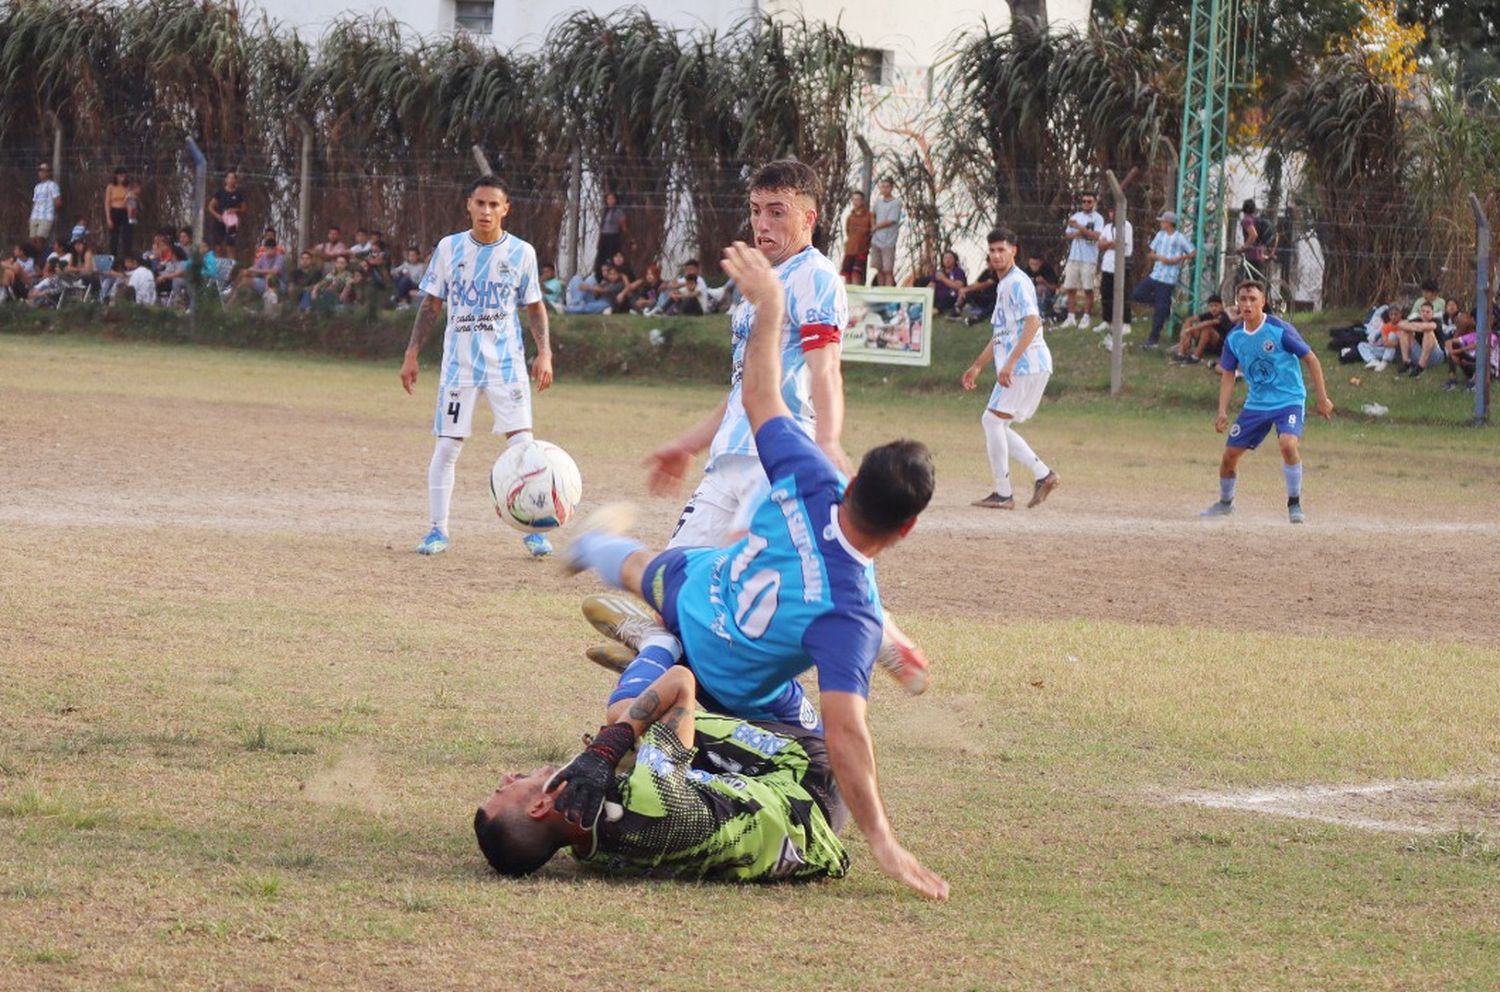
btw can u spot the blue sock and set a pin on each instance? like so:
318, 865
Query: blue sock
1226, 490
604, 553
1293, 475
657, 655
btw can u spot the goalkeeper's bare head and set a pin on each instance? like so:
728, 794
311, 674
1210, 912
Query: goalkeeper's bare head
518, 828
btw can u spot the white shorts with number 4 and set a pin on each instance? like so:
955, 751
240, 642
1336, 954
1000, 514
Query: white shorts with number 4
1019, 400
722, 503
511, 406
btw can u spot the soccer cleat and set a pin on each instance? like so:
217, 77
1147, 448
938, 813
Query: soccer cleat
1294, 512
623, 618
1042, 489
1219, 509
538, 545
615, 657
994, 501
901, 659
435, 543
612, 518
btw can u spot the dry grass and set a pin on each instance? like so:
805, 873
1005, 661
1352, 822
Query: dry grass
242, 727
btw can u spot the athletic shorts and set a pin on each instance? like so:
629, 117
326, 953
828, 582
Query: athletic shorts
1251, 426
721, 504
883, 258
660, 584
1079, 275
511, 406
1019, 400
854, 264
41, 229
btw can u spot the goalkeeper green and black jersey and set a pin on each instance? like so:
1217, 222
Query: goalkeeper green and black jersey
756, 818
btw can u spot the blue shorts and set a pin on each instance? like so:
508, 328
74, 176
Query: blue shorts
663, 578
1251, 426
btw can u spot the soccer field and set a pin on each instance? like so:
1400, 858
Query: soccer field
243, 728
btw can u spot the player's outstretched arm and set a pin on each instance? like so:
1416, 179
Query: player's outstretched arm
667, 466
1320, 387
852, 755
429, 311
761, 382
541, 365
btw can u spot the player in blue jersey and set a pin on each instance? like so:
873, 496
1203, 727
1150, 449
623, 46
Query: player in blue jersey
797, 591
484, 277
1271, 355
1022, 364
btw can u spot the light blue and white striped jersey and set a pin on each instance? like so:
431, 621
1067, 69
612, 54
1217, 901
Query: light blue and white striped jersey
1015, 300
484, 287
1170, 245
817, 310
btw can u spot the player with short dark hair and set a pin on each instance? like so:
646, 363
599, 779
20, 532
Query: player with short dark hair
709, 796
1270, 354
797, 591
484, 277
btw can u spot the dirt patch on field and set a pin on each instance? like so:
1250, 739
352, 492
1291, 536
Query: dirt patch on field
1413, 807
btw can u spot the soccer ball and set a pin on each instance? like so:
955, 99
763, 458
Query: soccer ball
536, 486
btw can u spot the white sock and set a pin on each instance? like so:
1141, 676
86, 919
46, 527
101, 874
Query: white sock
440, 480
1025, 455
997, 446
519, 437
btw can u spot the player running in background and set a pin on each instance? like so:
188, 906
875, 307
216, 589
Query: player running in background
1023, 364
485, 276
797, 592
710, 797
1270, 354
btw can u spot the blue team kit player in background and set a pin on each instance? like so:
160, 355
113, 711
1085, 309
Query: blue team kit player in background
796, 592
1270, 354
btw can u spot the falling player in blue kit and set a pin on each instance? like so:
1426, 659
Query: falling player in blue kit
485, 277
796, 592
1270, 354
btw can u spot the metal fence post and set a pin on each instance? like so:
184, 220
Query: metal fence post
481, 160
200, 188
304, 188
1117, 305
1483, 306
572, 217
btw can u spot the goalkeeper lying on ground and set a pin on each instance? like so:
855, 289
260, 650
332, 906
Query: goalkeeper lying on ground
709, 797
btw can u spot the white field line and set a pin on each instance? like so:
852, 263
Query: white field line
1349, 805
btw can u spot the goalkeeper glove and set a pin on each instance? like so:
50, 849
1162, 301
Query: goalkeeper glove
587, 776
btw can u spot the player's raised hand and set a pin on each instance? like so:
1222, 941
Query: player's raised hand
409, 371
1221, 423
899, 863
753, 274
541, 371
666, 467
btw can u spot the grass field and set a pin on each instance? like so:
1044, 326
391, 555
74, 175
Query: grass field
243, 728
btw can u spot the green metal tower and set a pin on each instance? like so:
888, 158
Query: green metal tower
1212, 75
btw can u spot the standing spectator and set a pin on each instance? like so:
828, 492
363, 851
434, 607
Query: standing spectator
856, 240
1169, 249
888, 214
947, 281
46, 201
224, 210
613, 231
138, 278
1256, 241
1111, 246
1044, 277
408, 275
133, 204
1082, 232
332, 248
117, 216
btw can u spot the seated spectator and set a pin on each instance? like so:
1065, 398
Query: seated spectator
139, 283
976, 301
80, 268
379, 261
947, 280
361, 247
1448, 322
1385, 338
552, 288
47, 289
329, 291
1203, 334
333, 247
1044, 277
159, 253
408, 276
719, 299
1424, 329
171, 277
640, 294
80, 230
622, 266
266, 271
304, 280
1462, 351
666, 301
357, 292
18, 272
594, 296
60, 253
1428, 295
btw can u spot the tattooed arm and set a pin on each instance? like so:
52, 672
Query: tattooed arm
667, 701
429, 312
541, 366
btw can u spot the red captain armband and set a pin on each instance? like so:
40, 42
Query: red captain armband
815, 336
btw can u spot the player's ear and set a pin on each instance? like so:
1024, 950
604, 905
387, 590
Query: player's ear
907, 527
542, 805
